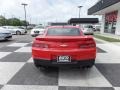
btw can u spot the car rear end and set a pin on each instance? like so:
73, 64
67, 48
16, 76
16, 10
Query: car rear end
88, 30
22, 31
36, 32
64, 51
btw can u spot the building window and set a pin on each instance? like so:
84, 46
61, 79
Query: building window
110, 22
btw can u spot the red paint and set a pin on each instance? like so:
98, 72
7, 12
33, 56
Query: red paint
111, 17
78, 47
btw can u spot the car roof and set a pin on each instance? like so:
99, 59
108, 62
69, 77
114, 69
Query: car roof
63, 27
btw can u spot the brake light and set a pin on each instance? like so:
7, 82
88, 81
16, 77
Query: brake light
87, 46
40, 45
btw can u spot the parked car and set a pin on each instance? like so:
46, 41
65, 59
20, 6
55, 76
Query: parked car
63, 47
97, 28
4, 34
15, 30
30, 27
38, 30
88, 30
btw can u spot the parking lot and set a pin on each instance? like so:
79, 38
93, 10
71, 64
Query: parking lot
19, 73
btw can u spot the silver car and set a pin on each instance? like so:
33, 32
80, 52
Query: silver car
4, 34
88, 30
38, 30
15, 30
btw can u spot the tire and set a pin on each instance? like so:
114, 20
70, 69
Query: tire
90, 65
41, 67
18, 33
87, 67
36, 64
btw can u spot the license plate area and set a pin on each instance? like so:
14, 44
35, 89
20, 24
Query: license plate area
63, 59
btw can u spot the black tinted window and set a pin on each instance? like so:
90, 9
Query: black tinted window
88, 26
63, 32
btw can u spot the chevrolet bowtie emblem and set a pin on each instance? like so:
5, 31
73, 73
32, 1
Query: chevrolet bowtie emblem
63, 45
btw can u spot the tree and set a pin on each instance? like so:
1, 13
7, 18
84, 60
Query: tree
12, 22
2, 20
23, 23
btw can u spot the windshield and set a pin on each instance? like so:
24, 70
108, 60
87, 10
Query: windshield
63, 32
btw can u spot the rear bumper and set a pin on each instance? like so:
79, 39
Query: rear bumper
34, 35
75, 54
73, 63
87, 33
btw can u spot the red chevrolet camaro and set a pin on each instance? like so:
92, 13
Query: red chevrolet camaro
64, 46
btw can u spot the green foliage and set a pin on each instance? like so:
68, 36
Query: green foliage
12, 22
2, 21
23, 23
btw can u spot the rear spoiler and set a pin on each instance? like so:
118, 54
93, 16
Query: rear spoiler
83, 21
59, 39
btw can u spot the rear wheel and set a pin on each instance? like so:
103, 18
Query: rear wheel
42, 68
18, 33
36, 64
90, 65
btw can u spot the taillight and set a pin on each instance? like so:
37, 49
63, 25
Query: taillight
87, 46
40, 45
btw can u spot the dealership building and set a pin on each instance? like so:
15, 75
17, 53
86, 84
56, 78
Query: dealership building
110, 11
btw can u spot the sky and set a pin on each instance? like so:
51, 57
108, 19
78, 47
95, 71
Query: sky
41, 11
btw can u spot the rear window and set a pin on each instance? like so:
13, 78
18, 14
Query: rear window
88, 26
63, 32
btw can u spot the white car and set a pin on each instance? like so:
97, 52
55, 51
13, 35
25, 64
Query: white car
15, 30
38, 30
4, 34
88, 30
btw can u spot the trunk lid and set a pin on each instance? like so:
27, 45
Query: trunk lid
71, 42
